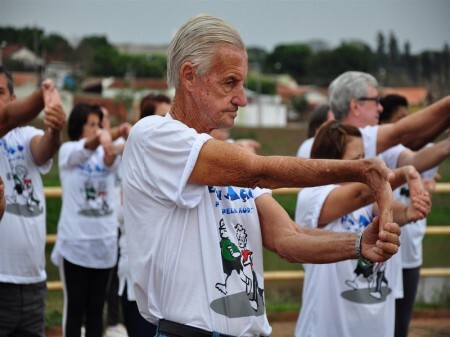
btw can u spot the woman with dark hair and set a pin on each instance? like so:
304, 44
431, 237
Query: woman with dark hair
359, 294
86, 247
321, 114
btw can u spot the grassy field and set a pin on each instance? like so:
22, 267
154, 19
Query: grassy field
280, 296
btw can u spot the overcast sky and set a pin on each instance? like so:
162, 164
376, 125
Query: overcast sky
424, 23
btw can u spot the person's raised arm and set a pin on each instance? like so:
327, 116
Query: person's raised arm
427, 157
44, 147
353, 196
417, 129
22, 111
222, 164
307, 245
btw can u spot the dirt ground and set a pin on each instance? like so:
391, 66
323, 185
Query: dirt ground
424, 324
428, 323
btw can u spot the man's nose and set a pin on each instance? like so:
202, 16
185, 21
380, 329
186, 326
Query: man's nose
240, 99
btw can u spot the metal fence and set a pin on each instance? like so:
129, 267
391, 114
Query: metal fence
441, 188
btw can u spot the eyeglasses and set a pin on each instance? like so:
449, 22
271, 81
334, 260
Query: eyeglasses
375, 99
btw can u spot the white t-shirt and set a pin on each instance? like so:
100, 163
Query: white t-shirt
412, 233
22, 228
304, 151
343, 298
369, 136
87, 226
195, 251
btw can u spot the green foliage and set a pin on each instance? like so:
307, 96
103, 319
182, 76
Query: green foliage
261, 84
290, 59
299, 104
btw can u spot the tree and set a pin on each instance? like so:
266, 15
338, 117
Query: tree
290, 59
394, 53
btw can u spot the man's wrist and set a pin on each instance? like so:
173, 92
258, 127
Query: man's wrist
358, 249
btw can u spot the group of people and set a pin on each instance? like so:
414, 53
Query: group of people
197, 210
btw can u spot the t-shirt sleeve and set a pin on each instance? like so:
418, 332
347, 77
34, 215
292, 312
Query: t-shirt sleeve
369, 135
159, 158
257, 192
73, 153
29, 132
390, 156
309, 204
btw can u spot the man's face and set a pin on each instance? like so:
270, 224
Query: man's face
219, 93
369, 108
5, 95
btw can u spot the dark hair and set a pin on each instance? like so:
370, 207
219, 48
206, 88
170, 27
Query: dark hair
390, 105
331, 140
78, 118
9, 79
318, 116
150, 102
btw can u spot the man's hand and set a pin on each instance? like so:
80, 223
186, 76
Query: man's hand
55, 117
420, 204
377, 177
378, 243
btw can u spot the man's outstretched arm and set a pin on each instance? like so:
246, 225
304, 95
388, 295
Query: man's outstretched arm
20, 111
311, 245
417, 129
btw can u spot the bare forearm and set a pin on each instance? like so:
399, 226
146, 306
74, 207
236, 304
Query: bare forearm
20, 111
424, 126
318, 246
431, 156
47, 146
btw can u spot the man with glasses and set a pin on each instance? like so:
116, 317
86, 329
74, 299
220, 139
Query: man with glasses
354, 99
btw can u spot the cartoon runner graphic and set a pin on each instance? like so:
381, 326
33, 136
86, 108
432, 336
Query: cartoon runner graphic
23, 187
240, 260
230, 257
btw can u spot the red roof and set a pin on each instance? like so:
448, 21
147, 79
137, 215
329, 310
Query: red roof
140, 83
414, 95
22, 78
11, 49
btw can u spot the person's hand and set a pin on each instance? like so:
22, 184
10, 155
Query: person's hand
419, 207
124, 129
420, 204
378, 243
248, 144
105, 139
377, 177
55, 117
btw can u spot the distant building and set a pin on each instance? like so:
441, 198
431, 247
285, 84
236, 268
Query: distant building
141, 49
20, 53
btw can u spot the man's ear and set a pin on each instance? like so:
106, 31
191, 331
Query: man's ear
187, 75
354, 107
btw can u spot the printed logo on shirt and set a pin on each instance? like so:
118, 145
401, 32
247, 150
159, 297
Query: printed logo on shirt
369, 284
237, 262
21, 200
232, 194
94, 191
